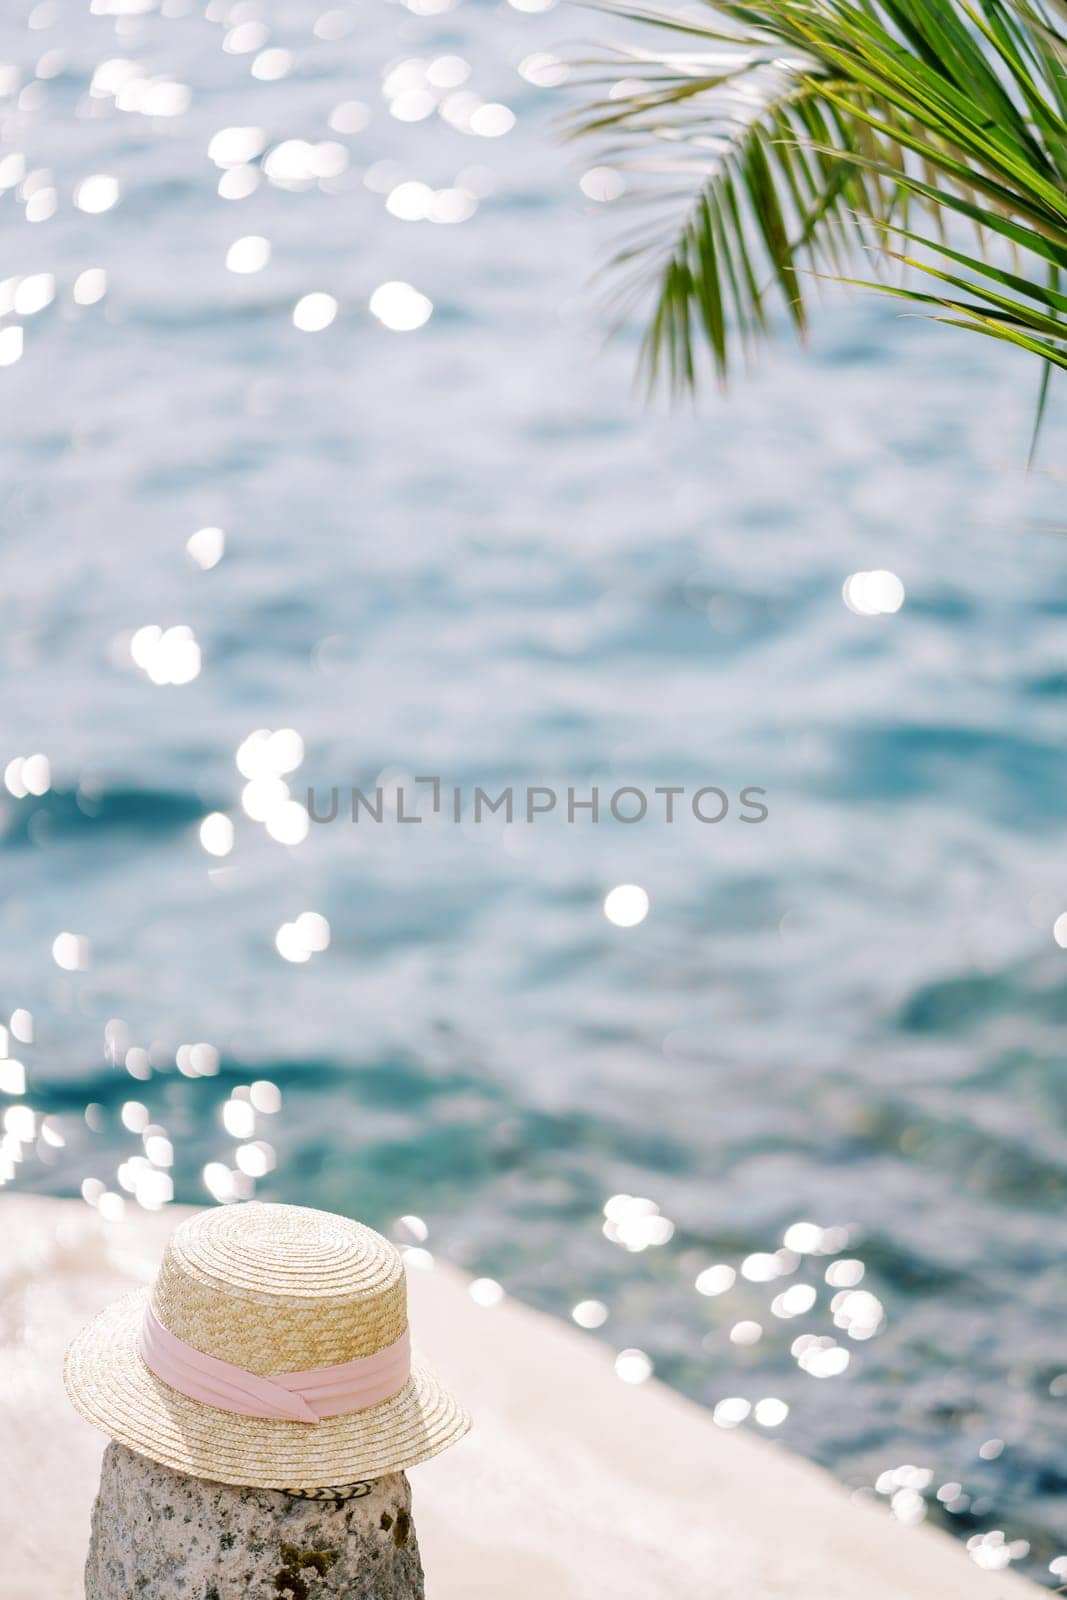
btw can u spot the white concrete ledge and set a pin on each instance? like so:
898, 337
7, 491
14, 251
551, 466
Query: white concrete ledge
572, 1486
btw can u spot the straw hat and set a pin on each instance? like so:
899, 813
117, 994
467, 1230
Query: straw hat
266, 1299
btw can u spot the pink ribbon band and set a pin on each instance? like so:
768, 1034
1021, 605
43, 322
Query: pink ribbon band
284, 1396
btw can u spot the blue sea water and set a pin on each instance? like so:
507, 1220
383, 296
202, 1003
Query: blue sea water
471, 550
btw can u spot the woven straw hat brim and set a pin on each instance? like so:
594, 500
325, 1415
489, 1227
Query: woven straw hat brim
109, 1384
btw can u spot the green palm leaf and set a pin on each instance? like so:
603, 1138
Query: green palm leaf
777, 138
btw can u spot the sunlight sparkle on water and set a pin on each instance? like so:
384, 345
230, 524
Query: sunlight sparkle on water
267, 800
635, 1223
238, 1118
134, 1116
413, 1228
32, 294
216, 834
351, 116
255, 1159
795, 1301
452, 206
272, 64
746, 1332
167, 656
333, 25
858, 1312
265, 1097
590, 1313
844, 1274
158, 1149
138, 1064
153, 1189
732, 1411
314, 930
133, 89
71, 951
245, 38
626, 905
544, 70
90, 286
412, 201
485, 1292
770, 1412
417, 1258
809, 1239
51, 64
227, 1185
492, 121
248, 254
633, 1366
97, 193
761, 1267
237, 183
992, 1552
602, 183
448, 72
12, 169
299, 940
12, 1076
715, 1280
206, 547
233, 147
908, 1506
820, 1356
288, 823
42, 204
270, 754
409, 201
314, 312
290, 945
20, 1123
873, 594
413, 105
400, 307
299, 164
28, 775
11, 342
197, 1060
261, 796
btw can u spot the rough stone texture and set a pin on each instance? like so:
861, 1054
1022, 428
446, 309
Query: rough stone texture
158, 1535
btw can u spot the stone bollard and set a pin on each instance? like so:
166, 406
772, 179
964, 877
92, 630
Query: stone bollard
273, 1349
160, 1535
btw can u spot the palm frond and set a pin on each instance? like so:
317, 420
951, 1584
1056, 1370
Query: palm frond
779, 138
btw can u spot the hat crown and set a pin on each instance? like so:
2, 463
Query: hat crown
275, 1288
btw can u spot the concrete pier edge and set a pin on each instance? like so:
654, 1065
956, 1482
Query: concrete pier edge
571, 1485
